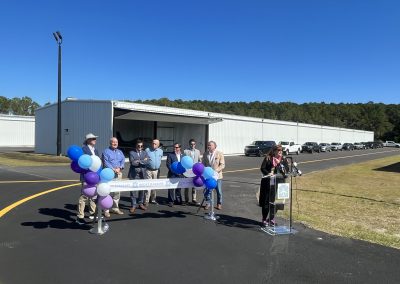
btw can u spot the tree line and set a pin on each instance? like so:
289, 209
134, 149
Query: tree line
383, 119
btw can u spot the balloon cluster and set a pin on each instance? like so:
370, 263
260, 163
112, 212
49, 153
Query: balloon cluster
202, 176
96, 178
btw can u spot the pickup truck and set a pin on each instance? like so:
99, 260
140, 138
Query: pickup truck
391, 144
259, 148
290, 147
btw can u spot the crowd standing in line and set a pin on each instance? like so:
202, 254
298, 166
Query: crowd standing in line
145, 164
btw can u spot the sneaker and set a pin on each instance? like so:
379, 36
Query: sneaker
195, 203
80, 221
118, 212
272, 223
154, 202
91, 217
264, 223
107, 214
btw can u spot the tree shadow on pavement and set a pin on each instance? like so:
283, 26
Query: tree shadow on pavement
394, 168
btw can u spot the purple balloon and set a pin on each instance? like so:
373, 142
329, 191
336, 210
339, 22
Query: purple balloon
76, 168
89, 191
106, 202
198, 181
92, 178
198, 169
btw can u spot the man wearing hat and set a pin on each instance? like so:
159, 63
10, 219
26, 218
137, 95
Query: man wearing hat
89, 149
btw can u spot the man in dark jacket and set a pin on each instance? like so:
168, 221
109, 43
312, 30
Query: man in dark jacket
174, 195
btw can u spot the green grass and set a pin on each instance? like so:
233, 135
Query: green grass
355, 201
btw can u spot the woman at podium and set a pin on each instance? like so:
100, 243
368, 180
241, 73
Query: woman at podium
274, 168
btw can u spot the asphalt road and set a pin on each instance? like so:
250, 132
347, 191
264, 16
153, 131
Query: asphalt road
40, 243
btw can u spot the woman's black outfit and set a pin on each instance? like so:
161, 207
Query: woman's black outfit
267, 191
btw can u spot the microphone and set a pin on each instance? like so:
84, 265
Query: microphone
294, 164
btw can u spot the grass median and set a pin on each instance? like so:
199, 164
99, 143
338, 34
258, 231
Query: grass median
19, 159
360, 201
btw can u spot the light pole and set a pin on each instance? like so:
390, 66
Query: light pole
58, 37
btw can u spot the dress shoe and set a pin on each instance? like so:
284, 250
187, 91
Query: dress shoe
132, 210
195, 203
141, 206
219, 207
117, 211
107, 214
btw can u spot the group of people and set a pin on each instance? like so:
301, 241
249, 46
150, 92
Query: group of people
145, 164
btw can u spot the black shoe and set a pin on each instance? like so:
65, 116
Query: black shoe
170, 204
80, 221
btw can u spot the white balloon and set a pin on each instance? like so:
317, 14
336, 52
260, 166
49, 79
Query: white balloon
189, 173
96, 163
103, 189
216, 175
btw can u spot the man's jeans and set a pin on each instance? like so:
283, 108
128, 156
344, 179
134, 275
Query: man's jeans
218, 189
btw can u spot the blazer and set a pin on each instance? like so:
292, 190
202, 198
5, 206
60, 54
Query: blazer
138, 163
196, 157
87, 151
170, 159
219, 162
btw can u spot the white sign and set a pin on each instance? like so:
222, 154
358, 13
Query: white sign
283, 191
146, 184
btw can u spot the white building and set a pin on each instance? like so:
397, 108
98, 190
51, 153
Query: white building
17, 131
128, 121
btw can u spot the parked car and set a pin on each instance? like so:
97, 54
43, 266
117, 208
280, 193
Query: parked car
310, 147
336, 146
378, 144
258, 148
369, 145
359, 146
290, 147
325, 147
391, 144
348, 146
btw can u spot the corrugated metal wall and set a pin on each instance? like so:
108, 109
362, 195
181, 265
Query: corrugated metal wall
78, 119
233, 134
17, 131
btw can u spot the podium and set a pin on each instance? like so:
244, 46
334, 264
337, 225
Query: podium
280, 203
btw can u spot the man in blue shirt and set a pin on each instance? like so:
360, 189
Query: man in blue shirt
155, 155
114, 159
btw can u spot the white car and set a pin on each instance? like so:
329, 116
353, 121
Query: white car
335, 146
290, 147
391, 144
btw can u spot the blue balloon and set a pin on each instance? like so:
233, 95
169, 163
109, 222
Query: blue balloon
74, 152
187, 162
208, 172
106, 174
85, 161
210, 183
177, 168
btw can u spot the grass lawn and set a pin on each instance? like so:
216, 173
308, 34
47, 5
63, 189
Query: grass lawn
17, 159
356, 201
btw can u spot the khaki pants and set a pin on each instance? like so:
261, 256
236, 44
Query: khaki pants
82, 203
187, 194
151, 194
115, 196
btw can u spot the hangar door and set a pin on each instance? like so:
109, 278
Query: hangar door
166, 135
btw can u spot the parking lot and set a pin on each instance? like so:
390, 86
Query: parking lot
40, 241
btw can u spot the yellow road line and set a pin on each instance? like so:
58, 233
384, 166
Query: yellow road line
38, 181
15, 204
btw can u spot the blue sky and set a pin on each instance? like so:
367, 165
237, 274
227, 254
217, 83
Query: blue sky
299, 51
